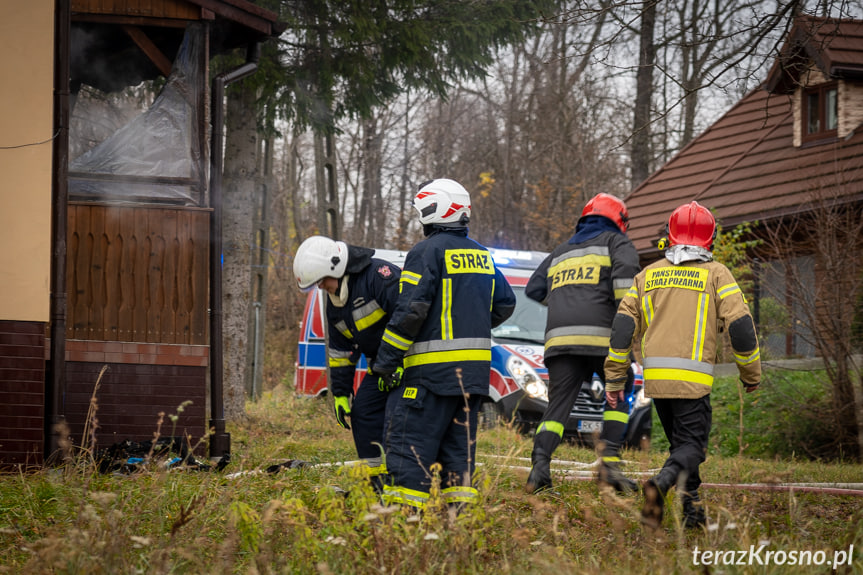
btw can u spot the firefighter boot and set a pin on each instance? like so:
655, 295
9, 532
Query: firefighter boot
655, 490
610, 474
540, 472
693, 511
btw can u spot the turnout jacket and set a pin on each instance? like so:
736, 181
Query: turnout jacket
675, 314
451, 296
357, 326
582, 284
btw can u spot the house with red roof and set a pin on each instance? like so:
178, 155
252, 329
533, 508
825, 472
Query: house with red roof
790, 147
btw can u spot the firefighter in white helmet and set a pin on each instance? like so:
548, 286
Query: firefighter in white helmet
362, 292
451, 296
675, 310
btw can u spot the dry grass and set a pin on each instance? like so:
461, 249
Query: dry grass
74, 520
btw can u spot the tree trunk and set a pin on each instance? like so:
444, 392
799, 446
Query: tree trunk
375, 235
238, 202
643, 96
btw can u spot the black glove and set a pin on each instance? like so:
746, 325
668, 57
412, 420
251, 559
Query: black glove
342, 407
391, 381
749, 387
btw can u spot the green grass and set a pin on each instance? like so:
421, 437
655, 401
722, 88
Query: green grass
73, 520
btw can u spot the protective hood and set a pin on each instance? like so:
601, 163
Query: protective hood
588, 227
680, 253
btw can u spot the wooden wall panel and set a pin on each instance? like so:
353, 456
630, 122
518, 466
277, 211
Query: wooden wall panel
138, 274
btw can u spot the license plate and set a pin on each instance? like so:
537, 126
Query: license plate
589, 426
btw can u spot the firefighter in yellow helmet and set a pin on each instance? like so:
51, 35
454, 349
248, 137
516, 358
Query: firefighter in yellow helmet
675, 310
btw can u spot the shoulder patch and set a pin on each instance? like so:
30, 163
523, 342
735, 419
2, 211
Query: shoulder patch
385, 271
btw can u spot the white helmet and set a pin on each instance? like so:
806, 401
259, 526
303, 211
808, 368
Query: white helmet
319, 257
442, 201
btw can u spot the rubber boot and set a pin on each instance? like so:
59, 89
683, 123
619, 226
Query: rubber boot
610, 474
540, 472
655, 490
693, 511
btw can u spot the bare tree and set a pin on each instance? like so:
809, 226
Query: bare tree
830, 236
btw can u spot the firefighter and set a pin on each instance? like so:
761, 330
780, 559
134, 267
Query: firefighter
581, 281
362, 294
676, 309
452, 295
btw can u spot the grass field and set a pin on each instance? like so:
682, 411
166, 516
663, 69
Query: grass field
322, 518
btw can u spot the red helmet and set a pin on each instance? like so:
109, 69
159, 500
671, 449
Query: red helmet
692, 225
612, 208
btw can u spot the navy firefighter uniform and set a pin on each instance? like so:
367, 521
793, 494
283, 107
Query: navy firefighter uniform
356, 325
451, 296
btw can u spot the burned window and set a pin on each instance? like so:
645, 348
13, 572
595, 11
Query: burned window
156, 156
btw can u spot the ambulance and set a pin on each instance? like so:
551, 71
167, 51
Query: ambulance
518, 383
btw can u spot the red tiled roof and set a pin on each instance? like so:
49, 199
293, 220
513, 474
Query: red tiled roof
746, 168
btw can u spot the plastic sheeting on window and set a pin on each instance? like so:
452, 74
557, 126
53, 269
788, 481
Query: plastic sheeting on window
156, 157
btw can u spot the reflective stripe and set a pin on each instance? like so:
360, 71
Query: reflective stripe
446, 309
610, 459
579, 330
678, 363
647, 309
376, 465
622, 287
338, 358
621, 357
368, 315
404, 496
342, 328
447, 356
340, 362
551, 426
451, 344
633, 292
700, 327
591, 340
747, 359
614, 415
409, 278
580, 253
728, 290
491, 302
678, 375
395, 340
462, 349
460, 495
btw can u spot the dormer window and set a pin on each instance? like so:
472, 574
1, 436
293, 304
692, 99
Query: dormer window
820, 111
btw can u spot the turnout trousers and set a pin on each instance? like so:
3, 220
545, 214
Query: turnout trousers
425, 428
686, 423
368, 418
566, 374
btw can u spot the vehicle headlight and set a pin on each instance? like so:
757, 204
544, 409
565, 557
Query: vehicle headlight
641, 400
527, 378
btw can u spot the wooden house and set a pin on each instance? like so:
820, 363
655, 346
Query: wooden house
110, 280
778, 152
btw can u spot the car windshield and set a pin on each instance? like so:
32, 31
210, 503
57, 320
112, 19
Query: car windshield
527, 323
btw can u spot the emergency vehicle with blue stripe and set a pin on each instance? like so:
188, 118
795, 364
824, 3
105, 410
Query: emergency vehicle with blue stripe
518, 382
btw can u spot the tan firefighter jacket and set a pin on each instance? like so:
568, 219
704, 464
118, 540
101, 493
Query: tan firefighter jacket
674, 314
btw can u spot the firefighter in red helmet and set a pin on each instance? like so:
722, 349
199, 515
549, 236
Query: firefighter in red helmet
674, 309
581, 281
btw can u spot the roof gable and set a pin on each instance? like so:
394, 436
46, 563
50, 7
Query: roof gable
834, 46
745, 167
